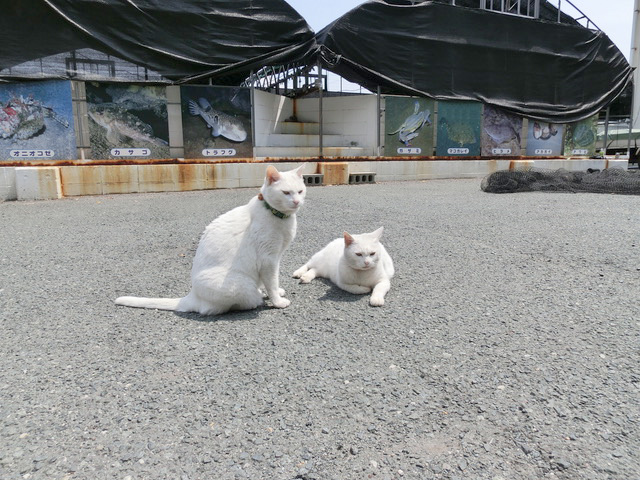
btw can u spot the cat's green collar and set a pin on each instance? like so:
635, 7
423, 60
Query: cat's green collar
277, 213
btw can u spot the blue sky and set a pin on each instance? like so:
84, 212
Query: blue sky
614, 17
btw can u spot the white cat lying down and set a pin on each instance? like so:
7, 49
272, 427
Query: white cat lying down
355, 263
240, 252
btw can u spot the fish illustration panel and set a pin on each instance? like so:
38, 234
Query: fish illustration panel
501, 132
581, 137
216, 122
36, 121
458, 129
408, 126
544, 139
127, 121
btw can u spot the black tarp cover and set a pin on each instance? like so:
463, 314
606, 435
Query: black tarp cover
540, 69
176, 38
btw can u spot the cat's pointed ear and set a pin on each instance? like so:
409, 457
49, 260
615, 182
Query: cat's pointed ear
299, 170
273, 175
377, 233
348, 239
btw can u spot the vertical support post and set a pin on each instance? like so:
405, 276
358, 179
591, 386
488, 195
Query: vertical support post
378, 103
606, 132
635, 63
629, 137
559, 7
320, 129
253, 118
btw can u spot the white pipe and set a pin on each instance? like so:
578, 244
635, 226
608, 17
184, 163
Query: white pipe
635, 63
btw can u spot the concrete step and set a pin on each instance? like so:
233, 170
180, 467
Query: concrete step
300, 152
303, 140
299, 128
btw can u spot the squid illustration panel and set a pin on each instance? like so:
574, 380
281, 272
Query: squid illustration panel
36, 121
501, 132
216, 122
408, 126
544, 139
580, 137
127, 121
458, 129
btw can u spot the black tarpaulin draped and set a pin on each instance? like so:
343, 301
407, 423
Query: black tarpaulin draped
176, 38
540, 69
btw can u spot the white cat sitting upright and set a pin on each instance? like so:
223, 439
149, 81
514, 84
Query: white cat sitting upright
240, 252
355, 263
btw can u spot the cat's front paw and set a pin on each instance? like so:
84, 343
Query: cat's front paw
281, 292
307, 277
299, 272
281, 303
376, 301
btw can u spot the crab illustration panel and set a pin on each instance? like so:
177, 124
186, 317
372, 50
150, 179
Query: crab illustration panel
581, 137
458, 130
127, 121
544, 139
216, 122
408, 125
501, 132
36, 121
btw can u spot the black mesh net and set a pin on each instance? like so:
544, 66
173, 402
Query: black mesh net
611, 180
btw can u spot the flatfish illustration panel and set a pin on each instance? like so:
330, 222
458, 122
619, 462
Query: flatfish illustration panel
216, 122
501, 132
581, 137
36, 121
458, 130
544, 139
127, 121
408, 126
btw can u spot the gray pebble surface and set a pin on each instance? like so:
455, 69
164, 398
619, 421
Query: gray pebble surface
508, 347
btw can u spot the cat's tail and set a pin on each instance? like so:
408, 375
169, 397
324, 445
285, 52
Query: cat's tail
143, 302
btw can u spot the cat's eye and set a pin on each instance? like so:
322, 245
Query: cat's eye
286, 193
300, 192
359, 254
372, 253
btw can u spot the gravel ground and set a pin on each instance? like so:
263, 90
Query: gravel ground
508, 347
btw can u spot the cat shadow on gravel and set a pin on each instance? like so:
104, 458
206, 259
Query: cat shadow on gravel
336, 294
233, 316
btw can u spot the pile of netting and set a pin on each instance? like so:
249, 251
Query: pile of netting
611, 180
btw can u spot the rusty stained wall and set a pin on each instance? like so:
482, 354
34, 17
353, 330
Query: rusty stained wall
112, 179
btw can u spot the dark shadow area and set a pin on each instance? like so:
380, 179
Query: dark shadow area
226, 317
336, 294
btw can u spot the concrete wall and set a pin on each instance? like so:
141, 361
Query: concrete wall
44, 183
353, 118
174, 114
8, 184
269, 112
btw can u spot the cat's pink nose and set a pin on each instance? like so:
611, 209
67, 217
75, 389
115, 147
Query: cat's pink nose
296, 202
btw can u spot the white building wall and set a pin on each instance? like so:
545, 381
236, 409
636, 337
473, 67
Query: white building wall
269, 111
352, 117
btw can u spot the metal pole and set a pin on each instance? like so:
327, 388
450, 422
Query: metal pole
253, 117
378, 123
606, 132
635, 64
629, 139
320, 109
559, 7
